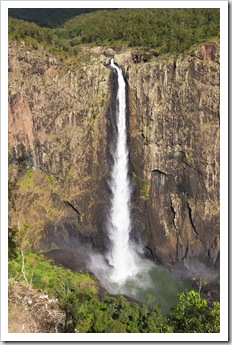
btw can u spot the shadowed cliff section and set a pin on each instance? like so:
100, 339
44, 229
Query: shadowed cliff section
48, 17
61, 125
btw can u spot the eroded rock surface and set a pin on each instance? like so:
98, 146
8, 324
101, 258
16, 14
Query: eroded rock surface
62, 124
174, 150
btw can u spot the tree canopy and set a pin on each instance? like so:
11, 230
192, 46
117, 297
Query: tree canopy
88, 311
164, 30
48, 17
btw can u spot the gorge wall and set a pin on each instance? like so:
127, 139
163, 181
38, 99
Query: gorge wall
61, 125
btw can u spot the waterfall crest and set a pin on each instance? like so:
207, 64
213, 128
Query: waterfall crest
121, 257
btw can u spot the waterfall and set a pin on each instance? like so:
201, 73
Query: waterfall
121, 257
125, 269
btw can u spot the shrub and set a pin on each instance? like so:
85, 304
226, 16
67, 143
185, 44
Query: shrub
193, 315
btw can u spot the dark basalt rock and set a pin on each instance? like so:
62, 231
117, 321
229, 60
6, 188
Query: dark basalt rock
62, 122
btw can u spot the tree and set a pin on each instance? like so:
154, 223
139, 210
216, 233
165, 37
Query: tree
193, 315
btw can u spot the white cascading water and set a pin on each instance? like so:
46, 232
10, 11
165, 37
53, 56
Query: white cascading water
129, 272
121, 256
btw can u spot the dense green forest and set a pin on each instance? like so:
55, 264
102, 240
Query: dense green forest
163, 30
89, 311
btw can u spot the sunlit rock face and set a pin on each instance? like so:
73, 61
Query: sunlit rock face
59, 127
62, 124
174, 147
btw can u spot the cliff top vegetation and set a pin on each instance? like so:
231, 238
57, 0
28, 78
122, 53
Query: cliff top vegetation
163, 30
48, 17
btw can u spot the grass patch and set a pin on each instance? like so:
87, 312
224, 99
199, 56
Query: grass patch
144, 189
43, 274
27, 179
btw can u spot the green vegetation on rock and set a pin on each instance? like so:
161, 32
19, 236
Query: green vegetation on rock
30, 189
42, 274
144, 187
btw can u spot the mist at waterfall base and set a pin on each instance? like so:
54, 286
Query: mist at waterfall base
124, 269
151, 279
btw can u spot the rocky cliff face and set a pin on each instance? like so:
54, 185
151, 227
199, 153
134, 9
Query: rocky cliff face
58, 133
61, 126
174, 145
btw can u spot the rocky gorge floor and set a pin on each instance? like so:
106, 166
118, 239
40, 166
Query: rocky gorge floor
32, 311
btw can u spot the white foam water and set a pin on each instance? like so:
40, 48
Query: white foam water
122, 256
124, 269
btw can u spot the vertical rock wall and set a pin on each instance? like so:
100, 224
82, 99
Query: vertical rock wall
174, 148
58, 126
61, 123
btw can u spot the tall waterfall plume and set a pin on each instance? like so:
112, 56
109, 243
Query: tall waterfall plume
125, 269
121, 256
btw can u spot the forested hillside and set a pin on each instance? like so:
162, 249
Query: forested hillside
165, 31
48, 17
